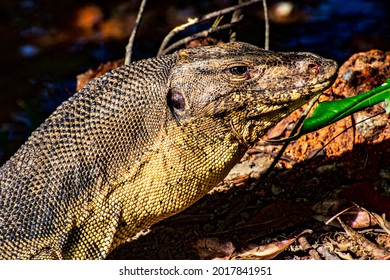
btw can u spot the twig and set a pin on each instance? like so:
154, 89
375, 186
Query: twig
131, 39
337, 216
201, 34
237, 16
176, 30
293, 131
266, 20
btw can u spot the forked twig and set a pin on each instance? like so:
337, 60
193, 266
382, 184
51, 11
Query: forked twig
293, 131
191, 22
266, 20
131, 39
201, 34
237, 16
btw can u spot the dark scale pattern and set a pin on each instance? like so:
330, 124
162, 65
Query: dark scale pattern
142, 143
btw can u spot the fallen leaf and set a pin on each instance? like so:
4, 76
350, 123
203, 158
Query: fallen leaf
359, 219
213, 248
266, 252
279, 129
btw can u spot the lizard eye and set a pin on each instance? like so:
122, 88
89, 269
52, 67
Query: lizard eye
238, 70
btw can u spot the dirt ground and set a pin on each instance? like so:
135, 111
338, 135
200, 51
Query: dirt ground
327, 198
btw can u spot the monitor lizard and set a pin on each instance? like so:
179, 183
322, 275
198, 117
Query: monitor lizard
144, 142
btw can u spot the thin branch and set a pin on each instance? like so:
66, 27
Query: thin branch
173, 32
176, 30
236, 18
131, 39
266, 21
201, 34
293, 131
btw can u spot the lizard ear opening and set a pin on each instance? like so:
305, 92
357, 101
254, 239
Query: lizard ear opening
176, 100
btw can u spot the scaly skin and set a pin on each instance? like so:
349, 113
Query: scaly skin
144, 142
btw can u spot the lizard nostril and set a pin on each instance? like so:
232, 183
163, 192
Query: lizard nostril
176, 100
313, 69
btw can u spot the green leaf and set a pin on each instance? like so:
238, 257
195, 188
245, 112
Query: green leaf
329, 112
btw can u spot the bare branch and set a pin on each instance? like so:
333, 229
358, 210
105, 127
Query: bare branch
131, 39
201, 34
173, 32
204, 18
236, 18
266, 20
293, 131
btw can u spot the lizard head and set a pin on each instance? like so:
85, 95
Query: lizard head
246, 88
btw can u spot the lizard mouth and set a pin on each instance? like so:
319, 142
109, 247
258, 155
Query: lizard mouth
289, 100
287, 92
290, 95
273, 115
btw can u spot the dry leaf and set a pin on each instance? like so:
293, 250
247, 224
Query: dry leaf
279, 129
264, 252
358, 219
213, 248
268, 251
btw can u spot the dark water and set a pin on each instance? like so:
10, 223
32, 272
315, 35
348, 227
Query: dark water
46, 44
